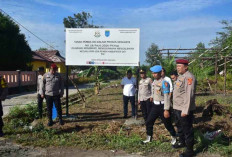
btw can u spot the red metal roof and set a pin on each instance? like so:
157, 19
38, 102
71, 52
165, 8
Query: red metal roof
48, 55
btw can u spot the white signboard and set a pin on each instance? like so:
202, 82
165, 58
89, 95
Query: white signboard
102, 47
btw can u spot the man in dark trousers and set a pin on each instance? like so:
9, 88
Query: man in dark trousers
161, 105
3, 94
144, 94
184, 105
129, 85
52, 88
39, 98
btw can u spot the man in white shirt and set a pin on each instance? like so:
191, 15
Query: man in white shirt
39, 99
129, 87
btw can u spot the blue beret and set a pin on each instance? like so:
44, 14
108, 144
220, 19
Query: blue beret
156, 68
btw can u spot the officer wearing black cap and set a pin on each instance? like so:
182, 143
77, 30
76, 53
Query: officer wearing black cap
3, 94
144, 93
39, 98
184, 105
161, 105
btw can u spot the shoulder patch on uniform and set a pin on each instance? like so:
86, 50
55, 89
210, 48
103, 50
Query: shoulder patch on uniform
166, 84
190, 81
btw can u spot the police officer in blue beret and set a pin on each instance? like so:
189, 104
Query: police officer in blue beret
161, 105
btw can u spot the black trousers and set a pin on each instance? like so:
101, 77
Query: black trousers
185, 128
157, 111
125, 104
49, 101
40, 105
1, 114
146, 108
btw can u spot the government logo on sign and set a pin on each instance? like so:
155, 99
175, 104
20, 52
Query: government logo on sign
107, 33
97, 34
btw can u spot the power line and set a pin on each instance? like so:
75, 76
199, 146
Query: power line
27, 29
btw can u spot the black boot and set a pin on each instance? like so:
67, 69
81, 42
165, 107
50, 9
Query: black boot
1, 133
187, 153
50, 123
61, 122
179, 145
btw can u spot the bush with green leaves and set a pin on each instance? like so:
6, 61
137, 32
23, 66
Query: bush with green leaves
21, 116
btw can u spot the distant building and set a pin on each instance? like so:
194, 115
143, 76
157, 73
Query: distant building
45, 58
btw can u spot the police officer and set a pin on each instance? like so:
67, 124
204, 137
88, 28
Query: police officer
3, 94
174, 76
52, 88
144, 94
39, 98
184, 105
161, 105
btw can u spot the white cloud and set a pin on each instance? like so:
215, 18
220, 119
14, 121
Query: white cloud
169, 24
173, 7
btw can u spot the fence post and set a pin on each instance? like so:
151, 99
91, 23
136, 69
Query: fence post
19, 81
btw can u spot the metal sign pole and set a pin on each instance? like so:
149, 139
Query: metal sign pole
67, 91
137, 88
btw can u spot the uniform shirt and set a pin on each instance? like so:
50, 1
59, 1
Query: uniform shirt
160, 93
129, 86
170, 83
145, 86
184, 93
39, 82
52, 85
3, 88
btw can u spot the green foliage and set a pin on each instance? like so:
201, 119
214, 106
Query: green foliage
224, 37
79, 20
42, 49
123, 70
15, 52
153, 56
100, 73
21, 116
168, 64
83, 80
218, 145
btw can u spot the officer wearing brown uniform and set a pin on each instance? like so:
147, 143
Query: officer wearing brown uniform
161, 105
3, 94
184, 105
144, 94
39, 99
52, 88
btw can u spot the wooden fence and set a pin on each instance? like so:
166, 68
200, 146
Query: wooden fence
24, 78
19, 78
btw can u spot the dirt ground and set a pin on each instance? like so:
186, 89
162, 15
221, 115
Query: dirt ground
10, 149
107, 108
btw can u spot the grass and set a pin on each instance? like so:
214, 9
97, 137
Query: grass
99, 126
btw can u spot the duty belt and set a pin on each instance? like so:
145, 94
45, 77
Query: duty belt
158, 102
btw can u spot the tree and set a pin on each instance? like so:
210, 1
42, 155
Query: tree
15, 51
80, 20
153, 56
42, 49
100, 74
222, 39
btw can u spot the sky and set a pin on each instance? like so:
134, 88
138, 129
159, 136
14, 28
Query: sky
167, 23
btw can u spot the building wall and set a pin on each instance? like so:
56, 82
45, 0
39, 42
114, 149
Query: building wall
46, 65
37, 64
61, 67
